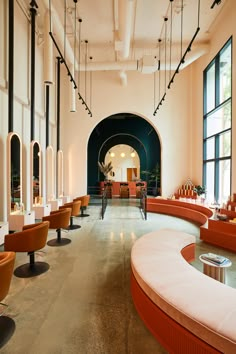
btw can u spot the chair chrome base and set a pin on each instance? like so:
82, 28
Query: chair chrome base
7, 328
57, 243
31, 270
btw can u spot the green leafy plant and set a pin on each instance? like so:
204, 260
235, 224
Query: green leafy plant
153, 175
199, 190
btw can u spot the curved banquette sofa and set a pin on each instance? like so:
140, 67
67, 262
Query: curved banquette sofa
187, 311
190, 211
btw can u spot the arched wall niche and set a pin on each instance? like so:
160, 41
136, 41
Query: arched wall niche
50, 173
122, 128
14, 171
35, 172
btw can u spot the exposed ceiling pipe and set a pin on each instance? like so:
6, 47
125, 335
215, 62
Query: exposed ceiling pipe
126, 19
58, 31
148, 64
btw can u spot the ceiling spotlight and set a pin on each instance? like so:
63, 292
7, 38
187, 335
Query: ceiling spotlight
112, 154
132, 154
122, 154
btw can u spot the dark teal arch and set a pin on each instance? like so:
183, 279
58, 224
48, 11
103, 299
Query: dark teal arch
122, 128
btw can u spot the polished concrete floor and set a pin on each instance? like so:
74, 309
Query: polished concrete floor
82, 305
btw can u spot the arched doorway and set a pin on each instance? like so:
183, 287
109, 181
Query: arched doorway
127, 129
125, 161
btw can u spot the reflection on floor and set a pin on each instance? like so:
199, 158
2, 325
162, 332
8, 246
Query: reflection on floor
83, 303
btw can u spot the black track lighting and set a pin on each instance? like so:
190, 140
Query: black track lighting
216, 2
183, 55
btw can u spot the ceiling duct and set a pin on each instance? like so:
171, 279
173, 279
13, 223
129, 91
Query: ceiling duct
148, 64
125, 22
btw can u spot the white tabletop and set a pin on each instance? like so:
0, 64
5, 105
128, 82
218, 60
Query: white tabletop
226, 263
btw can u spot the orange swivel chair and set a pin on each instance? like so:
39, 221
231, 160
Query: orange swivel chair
75, 209
85, 199
32, 238
58, 219
7, 324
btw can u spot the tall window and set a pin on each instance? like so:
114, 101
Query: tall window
217, 126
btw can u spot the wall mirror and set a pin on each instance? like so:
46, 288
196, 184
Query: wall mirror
60, 187
36, 180
50, 161
14, 170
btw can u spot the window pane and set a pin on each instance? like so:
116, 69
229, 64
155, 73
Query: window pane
219, 120
224, 180
210, 181
210, 149
225, 74
210, 89
225, 144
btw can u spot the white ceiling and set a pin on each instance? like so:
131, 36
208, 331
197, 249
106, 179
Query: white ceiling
103, 23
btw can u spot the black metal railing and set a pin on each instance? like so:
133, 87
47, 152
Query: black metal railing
104, 201
143, 203
94, 191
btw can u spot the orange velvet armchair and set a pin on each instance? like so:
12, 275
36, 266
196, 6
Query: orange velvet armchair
75, 209
85, 199
32, 238
58, 219
7, 324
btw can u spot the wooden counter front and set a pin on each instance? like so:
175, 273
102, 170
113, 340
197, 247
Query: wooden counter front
133, 187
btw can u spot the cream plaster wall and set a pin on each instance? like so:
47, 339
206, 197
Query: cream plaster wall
172, 124
178, 122
21, 124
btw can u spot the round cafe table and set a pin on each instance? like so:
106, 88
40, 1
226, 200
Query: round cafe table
214, 270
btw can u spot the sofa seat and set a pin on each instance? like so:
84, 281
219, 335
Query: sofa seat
202, 306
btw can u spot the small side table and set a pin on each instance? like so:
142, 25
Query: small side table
213, 270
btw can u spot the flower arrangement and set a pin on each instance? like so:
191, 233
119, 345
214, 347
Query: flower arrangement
105, 168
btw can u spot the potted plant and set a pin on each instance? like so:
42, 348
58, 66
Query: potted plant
199, 190
153, 176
